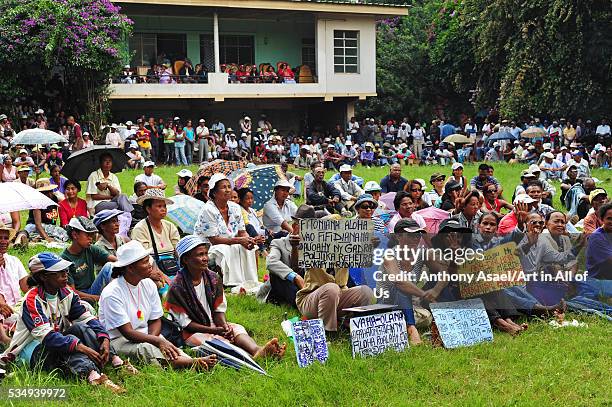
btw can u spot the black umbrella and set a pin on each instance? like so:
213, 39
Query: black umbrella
82, 163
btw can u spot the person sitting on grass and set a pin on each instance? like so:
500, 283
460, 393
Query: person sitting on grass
197, 302
324, 294
104, 190
131, 311
277, 212
55, 330
184, 176
13, 277
42, 223
72, 206
322, 194
84, 257
203, 188
107, 222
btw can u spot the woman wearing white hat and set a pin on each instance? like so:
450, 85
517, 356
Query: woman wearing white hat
131, 311
221, 223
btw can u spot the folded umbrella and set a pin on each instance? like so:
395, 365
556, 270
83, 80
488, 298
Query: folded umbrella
37, 136
82, 163
17, 196
184, 212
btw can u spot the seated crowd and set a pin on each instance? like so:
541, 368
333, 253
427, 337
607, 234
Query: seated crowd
113, 296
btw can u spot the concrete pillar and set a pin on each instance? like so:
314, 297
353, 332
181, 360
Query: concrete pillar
216, 42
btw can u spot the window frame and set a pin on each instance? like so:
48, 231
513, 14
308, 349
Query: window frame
341, 55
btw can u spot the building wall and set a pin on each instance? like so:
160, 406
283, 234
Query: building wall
274, 40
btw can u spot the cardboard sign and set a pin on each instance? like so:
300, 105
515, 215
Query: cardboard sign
309, 341
340, 243
374, 334
499, 269
462, 323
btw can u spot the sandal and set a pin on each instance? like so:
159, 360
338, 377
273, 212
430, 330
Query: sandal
104, 381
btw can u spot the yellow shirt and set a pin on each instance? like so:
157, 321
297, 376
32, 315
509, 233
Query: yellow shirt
317, 277
92, 188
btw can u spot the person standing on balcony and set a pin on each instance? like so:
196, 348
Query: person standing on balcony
189, 141
202, 135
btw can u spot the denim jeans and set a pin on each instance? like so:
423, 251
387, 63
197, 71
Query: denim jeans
179, 152
594, 288
102, 279
521, 298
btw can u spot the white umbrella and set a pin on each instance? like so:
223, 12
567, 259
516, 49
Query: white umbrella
38, 136
17, 196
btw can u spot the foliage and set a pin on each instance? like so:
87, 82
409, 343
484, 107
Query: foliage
80, 41
540, 57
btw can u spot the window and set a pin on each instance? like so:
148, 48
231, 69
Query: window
237, 49
143, 48
309, 55
346, 51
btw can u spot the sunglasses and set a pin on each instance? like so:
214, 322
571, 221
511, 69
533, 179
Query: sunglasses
415, 190
537, 222
366, 207
492, 190
438, 179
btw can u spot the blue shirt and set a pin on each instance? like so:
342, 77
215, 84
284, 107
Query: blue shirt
598, 253
388, 186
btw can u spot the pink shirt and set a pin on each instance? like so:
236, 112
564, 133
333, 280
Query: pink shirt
10, 274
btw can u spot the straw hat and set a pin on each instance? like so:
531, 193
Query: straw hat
44, 184
156, 194
12, 232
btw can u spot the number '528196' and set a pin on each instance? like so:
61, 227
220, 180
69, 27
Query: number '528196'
34, 392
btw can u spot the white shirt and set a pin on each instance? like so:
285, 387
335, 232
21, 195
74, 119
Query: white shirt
114, 139
431, 197
10, 274
183, 320
120, 302
202, 132
274, 215
603, 129
92, 189
153, 180
418, 133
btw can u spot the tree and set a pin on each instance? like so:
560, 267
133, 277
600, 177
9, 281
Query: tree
70, 48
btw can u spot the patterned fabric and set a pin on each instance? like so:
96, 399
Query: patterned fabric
213, 167
261, 181
210, 222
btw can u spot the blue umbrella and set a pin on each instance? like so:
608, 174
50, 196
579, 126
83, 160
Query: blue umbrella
260, 180
38, 136
184, 212
502, 135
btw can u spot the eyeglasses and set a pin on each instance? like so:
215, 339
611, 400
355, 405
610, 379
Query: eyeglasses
537, 222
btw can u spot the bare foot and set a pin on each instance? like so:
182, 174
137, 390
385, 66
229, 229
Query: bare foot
204, 363
269, 349
281, 351
506, 327
413, 335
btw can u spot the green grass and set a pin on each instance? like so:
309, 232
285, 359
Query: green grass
543, 366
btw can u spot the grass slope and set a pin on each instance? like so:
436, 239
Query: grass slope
543, 366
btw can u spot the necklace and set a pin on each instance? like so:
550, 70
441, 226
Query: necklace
139, 313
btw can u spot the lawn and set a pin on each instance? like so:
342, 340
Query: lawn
543, 366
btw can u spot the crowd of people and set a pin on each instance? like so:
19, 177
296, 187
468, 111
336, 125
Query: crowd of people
102, 300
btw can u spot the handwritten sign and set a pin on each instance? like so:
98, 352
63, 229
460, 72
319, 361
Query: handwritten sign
499, 269
309, 341
374, 334
462, 323
340, 243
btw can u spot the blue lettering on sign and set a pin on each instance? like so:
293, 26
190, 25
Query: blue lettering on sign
310, 343
462, 323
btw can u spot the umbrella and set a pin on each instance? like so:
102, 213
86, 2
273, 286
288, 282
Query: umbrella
82, 163
17, 196
38, 136
260, 180
213, 167
502, 135
433, 217
533, 132
387, 199
184, 212
458, 138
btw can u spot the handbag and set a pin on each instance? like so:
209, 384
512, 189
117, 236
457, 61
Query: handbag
167, 264
172, 331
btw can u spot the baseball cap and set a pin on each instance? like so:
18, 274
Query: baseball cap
407, 225
47, 262
83, 224
523, 198
149, 164
456, 166
595, 192
105, 215
345, 168
372, 186
185, 173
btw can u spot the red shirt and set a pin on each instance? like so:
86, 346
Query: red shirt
66, 212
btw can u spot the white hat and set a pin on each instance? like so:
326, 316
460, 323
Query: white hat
563, 148
531, 148
548, 154
573, 145
39, 111
86, 133
345, 168
184, 173
371, 186
533, 168
523, 198
247, 118
281, 183
23, 151
176, 118
547, 146
348, 143
113, 126
130, 253
214, 179
149, 164
422, 182
126, 66
129, 123
202, 120
457, 166
134, 144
